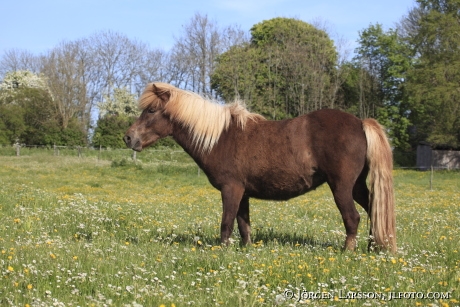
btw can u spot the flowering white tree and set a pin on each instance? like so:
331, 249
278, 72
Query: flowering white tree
21, 79
121, 102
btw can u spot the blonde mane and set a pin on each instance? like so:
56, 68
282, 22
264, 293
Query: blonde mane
205, 119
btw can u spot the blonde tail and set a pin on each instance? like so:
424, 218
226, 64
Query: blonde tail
382, 203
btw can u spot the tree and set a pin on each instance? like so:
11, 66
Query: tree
24, 99
110, 130
21, 79
384, 60
433, 82
357, 94
30, 113
196, 50
122, 103
16, 60
118, 61
65, 67
12, 124
285, 70
117, 113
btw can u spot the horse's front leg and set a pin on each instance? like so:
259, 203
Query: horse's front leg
231, 198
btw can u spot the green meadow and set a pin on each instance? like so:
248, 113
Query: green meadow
101, 230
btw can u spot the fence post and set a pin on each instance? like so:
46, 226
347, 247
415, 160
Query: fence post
79, 151
431, 171
134, 156
431, 178
18, 149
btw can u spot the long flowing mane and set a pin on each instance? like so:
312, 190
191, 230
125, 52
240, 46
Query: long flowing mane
205, 119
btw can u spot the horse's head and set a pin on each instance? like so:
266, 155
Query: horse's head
153, 123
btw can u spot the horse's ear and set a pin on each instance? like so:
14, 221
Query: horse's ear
162, 93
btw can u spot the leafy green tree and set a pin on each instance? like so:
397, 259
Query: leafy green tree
385, 58
28, 113
12, 124
433, 83
286, 69
357, 94
117, 113
20, 94
110, 130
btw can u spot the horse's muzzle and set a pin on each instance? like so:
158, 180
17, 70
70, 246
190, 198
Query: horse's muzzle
132, 142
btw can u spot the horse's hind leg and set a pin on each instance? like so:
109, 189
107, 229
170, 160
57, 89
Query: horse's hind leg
361, 192
242, 217
361, 196
343, 197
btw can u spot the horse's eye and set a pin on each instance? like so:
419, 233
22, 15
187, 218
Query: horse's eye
151, 111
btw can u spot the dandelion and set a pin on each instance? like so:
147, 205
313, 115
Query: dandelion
10, 268
53, 256
29, 287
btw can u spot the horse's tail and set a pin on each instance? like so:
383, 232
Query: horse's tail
382, 203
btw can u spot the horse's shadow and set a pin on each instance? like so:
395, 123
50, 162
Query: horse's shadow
260, 236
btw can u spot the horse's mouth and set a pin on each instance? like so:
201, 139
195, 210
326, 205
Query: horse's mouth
137, 147
133, 144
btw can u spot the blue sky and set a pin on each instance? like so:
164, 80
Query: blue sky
39, 25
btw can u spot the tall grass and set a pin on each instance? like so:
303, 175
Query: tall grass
91, 232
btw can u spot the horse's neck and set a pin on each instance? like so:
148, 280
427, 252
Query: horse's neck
182, 136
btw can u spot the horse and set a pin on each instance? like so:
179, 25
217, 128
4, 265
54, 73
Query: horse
247, 156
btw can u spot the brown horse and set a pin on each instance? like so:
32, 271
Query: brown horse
244, 155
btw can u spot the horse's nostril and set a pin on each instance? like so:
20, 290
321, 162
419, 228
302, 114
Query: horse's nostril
127, 139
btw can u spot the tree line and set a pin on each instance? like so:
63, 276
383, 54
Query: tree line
406, 77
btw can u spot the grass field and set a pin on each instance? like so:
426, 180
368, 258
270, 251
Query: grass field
94, 232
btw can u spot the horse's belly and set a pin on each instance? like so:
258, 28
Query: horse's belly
277, 188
